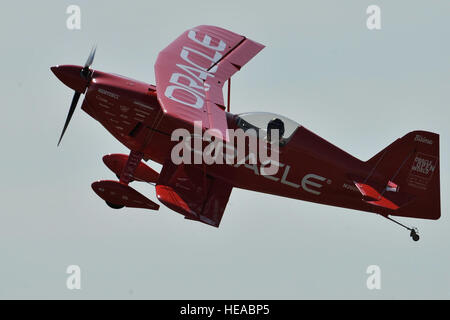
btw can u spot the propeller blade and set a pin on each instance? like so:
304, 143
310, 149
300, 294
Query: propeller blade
73, 105
85, 73
90, 59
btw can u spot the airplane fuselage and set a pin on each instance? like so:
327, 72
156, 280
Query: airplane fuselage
130, 111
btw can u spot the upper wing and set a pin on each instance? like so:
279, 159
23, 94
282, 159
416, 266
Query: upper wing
191, 71
186, 189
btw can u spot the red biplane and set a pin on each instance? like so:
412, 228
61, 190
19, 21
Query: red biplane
401, 180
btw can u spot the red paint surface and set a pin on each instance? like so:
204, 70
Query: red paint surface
142, 118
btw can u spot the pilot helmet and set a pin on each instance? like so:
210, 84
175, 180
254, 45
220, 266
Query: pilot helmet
276, 124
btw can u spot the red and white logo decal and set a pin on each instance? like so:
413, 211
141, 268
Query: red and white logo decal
187, 85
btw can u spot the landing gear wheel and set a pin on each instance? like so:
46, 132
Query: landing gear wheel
414, 235
114, 206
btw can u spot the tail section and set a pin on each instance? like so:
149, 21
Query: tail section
410, 169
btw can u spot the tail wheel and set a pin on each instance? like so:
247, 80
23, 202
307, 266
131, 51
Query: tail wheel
414, 235
414, 232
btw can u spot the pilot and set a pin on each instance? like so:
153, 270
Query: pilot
276, 124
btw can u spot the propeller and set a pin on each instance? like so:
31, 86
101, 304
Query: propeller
85, 74
85, 71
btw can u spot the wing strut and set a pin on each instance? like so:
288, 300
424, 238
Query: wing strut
229, 95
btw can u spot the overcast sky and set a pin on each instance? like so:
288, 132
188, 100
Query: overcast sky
322, 67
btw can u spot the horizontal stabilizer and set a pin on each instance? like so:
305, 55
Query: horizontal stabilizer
372, 196
121, 194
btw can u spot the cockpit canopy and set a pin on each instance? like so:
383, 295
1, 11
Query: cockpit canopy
260, 120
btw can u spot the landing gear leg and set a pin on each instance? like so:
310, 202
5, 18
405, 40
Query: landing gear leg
414, 234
